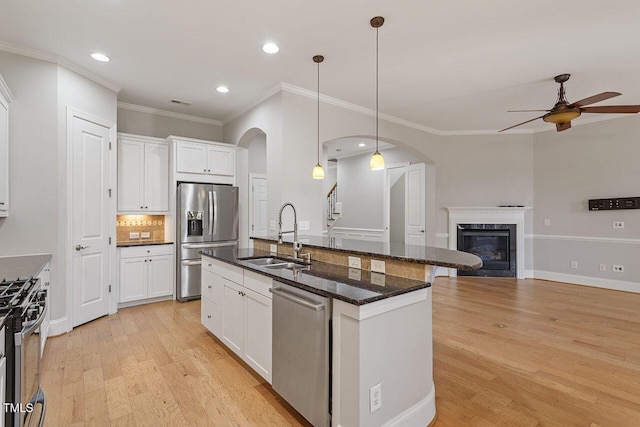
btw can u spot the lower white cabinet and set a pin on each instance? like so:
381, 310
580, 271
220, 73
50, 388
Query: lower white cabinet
146, 272
239, 314
45, 280
3, 374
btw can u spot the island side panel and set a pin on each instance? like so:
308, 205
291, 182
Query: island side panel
387, 342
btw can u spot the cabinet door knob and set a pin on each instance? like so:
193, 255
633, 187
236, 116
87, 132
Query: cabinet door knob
145, 260
141, 207
1, 203
205, 170
208, 316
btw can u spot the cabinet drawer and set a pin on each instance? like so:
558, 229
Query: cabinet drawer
225, 270
258, 283
207, 263
150, 250
210, 316
212, 286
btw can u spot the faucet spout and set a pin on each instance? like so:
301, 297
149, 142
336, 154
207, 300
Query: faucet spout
296, 246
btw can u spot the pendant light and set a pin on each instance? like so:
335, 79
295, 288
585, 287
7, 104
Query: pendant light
318, 171
377, 161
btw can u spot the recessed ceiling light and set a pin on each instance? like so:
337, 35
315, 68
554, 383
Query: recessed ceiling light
222, 89
100, 57
362, 144
270, 48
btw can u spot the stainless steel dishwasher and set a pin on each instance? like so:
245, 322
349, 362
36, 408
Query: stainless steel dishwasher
302, 351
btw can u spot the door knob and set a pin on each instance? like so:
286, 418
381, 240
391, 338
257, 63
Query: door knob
79, 248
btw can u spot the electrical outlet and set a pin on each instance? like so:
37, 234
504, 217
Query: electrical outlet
377, 279
574, 265
354, 262
145, 235
617, 268
377, 266
375, 398
273, 249
134, 235
303, 225
547, 222
618, 224
603, 267
272, 225
355, 274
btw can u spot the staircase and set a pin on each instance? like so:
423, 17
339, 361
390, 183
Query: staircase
334, 208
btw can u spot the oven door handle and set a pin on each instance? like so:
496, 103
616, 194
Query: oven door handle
30, 327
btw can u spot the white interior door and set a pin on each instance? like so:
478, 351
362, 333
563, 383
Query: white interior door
90, 201
415, 204
258, 205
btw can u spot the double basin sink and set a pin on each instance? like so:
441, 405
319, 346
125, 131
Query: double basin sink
276, 263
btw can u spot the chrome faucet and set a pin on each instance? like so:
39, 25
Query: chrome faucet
296, 245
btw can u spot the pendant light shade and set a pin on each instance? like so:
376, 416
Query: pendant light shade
377, 161
318, 171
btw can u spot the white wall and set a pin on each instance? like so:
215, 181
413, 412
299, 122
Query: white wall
32, 225
590, 161
38, 170
142, 123
258, 154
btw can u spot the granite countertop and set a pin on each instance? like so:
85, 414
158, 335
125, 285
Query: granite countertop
351, 285
142, 243
411, 253
22, 267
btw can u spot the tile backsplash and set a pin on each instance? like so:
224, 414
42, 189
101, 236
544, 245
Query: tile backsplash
152, 224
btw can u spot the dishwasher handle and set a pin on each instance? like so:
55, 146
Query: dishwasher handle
296, 299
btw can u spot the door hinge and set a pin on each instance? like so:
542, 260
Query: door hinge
251, 227
109, 145
109, 240
109, 192
252, 188
109, 288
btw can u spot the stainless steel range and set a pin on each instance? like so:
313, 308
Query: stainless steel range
23, 304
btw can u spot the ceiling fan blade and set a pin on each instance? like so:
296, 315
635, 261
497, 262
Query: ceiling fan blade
520, 124
563, 126
630, 109
595, 98
524, 111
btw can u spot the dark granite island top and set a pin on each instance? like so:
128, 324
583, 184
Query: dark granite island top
408, 253
353, 286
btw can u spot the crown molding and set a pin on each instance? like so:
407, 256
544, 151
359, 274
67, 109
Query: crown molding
5, 92
259, 100
57, 59
165, 113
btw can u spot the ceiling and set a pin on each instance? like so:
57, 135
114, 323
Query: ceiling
340, 148
452, 65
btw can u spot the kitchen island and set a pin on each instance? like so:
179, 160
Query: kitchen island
381, 332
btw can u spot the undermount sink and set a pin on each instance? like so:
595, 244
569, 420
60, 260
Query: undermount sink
276, 263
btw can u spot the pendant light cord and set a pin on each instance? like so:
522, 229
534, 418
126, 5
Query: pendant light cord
377, 61
318, 144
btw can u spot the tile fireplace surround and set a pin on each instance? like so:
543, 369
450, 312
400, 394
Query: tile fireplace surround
490, 215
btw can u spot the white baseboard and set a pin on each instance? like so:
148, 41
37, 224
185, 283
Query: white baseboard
419, 415
58, 327
618, 285
144, 301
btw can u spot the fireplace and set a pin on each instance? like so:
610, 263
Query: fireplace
495, 244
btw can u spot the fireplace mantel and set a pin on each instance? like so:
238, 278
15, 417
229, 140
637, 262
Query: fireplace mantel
490, 215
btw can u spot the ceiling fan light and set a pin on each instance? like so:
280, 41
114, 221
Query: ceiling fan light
561, 117
377, 162
318, 172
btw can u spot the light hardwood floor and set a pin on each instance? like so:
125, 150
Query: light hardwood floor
568, 356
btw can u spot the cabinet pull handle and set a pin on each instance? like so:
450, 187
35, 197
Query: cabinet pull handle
209, 286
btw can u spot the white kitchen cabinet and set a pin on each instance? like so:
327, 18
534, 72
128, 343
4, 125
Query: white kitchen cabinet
146, 272
143, 174
5, 99
45, 283
203, 161
237, 308
3, 374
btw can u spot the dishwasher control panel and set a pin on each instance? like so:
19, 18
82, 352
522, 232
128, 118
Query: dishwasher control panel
614, 203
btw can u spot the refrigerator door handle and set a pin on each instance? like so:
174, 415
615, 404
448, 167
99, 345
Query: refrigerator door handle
208, 245
211, 212
215, 209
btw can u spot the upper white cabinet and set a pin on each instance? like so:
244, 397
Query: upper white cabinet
203, 161
5, 99
143, 174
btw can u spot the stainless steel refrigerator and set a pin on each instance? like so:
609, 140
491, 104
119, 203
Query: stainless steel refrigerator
206, 217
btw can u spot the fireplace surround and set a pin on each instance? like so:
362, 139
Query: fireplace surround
490, 215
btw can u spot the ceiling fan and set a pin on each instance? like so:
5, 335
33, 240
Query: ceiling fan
562, 113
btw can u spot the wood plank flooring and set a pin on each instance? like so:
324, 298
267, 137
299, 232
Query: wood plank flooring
568, 356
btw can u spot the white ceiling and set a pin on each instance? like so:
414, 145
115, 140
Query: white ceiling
447, 64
